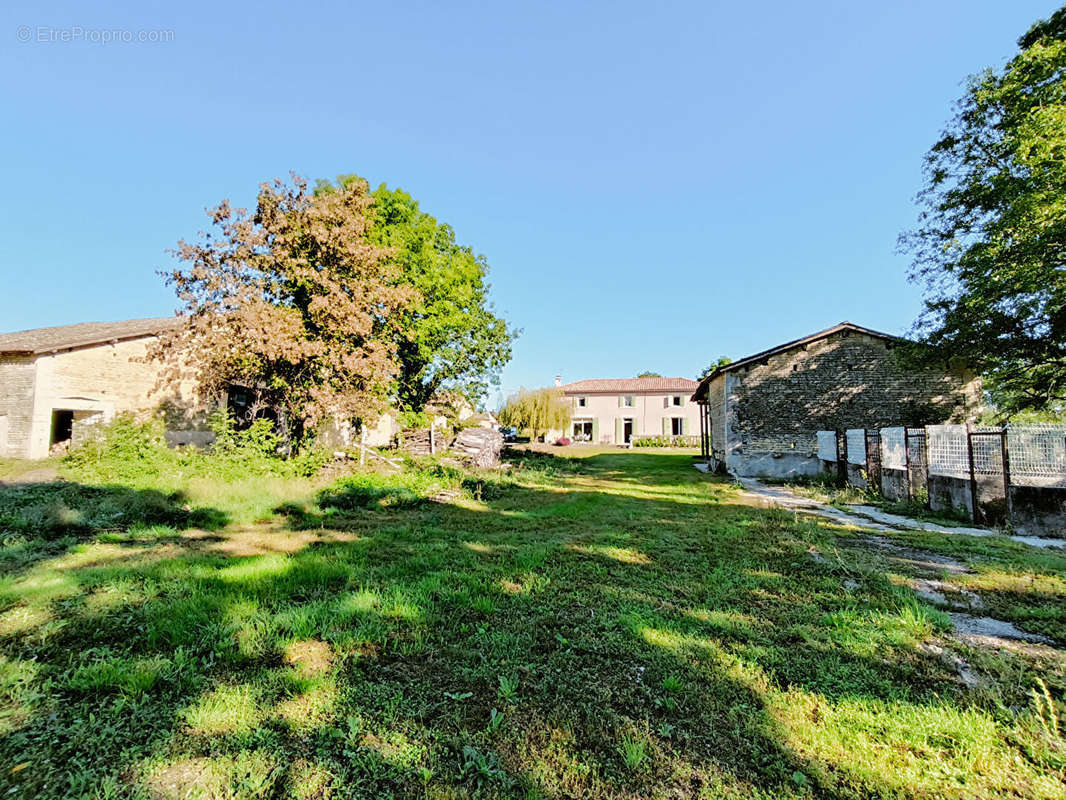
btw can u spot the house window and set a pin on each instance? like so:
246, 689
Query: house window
677, 426
677, 400
582, 402
627, 401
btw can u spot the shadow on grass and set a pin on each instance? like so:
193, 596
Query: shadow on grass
615, 617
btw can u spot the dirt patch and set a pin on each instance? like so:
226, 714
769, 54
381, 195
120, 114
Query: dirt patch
188, 778
257, 541
310, 657
39, 475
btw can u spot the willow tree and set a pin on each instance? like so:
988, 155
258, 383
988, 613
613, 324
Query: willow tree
294, 302
990, 244
536, 411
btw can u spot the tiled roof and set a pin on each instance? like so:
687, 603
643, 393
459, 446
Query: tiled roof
83, 334
634, 385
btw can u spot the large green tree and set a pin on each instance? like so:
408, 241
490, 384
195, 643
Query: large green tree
448, 339
990, 244
292, 301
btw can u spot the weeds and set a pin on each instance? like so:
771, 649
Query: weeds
634, 752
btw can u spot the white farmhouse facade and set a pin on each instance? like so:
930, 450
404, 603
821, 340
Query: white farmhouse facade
615, 410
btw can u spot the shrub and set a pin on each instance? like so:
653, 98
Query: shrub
562, 441
666, 441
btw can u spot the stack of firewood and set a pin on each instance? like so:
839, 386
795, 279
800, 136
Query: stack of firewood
423, 441
480, 446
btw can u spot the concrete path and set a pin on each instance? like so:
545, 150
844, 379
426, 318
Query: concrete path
869, 517
923, 571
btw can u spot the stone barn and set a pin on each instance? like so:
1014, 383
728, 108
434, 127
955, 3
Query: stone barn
56, 382
760, 415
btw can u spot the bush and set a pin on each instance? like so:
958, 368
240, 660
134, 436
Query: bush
418, 483
562, 441
133, 452
666, 441
123, 449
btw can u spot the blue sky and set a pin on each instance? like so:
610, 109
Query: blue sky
654, 184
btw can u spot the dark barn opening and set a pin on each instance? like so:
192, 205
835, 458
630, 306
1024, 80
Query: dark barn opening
62, 426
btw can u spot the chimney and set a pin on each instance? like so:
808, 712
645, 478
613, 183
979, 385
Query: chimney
558, 380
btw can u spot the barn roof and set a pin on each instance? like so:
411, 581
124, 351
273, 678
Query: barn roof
781, 348
83, 334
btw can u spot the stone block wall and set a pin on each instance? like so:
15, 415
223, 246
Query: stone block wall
16, 404
847, 380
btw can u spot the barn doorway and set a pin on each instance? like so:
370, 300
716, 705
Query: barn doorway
62, 426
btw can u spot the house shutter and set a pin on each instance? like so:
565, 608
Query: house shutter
666, 426
595, 431
621, 400
684, 426
619, 431
666, 402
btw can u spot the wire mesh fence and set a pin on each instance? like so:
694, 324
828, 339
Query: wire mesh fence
946, 450
1037, 455
856, 438
827, 445
893, 448
976, 465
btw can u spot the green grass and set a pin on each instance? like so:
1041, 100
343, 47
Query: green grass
596, 624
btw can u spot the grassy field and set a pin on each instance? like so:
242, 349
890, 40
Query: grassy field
592, 624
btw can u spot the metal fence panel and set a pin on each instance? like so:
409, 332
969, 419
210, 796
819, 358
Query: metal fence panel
1037, 454
827, 445
857, 446
893, 449
987, 446
948, 451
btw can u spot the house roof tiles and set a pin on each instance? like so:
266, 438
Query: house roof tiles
629, 385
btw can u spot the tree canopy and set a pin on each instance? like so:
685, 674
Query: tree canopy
448, 338
294, 302
990, 243
721, 361
536, 411
649, 375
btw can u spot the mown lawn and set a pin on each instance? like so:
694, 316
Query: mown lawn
613, 625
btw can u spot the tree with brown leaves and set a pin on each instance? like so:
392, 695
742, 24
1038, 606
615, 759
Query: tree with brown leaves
292, 302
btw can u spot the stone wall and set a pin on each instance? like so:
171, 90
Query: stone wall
716, 408
16, 404
847, 380
96, 383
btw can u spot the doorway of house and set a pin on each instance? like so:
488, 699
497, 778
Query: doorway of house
582, 430
627, 431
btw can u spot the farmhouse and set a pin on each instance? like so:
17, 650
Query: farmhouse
760, 415
55, 382
615, 410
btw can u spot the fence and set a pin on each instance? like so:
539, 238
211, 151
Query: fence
1014, 474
